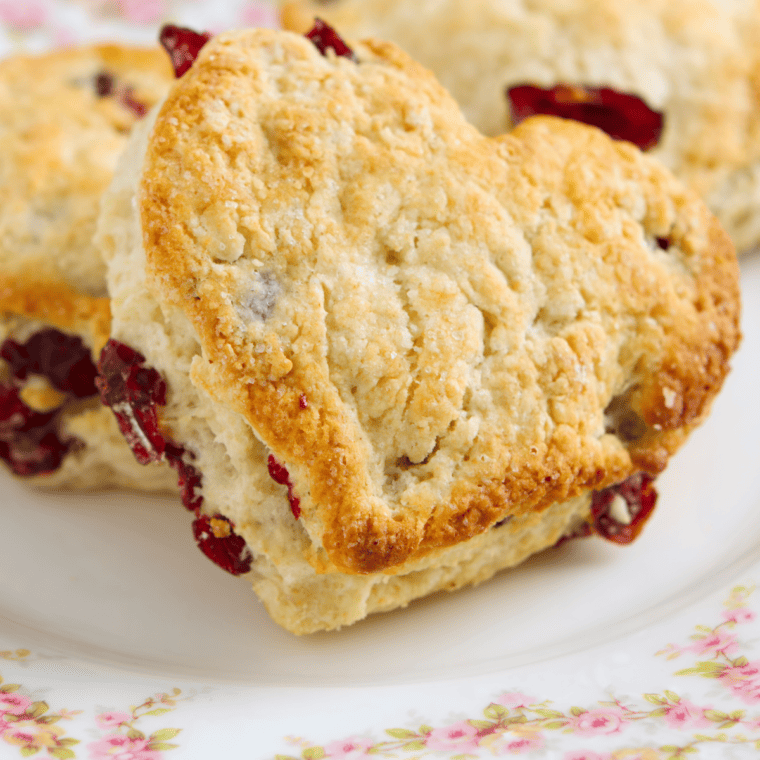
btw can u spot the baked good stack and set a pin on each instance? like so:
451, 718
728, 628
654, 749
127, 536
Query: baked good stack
389, 355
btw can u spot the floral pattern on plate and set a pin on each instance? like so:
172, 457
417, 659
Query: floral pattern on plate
34, 728
516, 723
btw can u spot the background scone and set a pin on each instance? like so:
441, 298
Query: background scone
387, 354
696, 62
64, 120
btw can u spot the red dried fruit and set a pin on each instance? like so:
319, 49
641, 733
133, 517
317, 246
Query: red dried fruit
326, 38
182, 45
133, 391
105, 86
217, 539
188, 478
621, 115
663, 243
638, 493
63, 359
280, 475
29, 443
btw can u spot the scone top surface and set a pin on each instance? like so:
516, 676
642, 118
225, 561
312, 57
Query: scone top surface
424, 325
695, 61
64, 119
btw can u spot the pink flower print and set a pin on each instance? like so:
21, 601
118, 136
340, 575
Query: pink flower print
513, 700
595, 722
117, 747
739, 615
739, 674
13, 703
715, 643
143, 11
461, 736
584, 754
748, 691
514, 745
685, 714
108, 719
641, 753
22, 16
31, 735
348, 749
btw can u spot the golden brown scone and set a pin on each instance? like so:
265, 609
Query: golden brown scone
695, 61
64, 120
336, 283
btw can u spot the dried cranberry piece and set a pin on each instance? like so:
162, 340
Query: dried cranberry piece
128, 100
326, 38
640, 497
104, 84
63, 359
16, 417
133, 391
280, 475
621, 115
663, 243
188, 478
182, 45
29, 443
217, 539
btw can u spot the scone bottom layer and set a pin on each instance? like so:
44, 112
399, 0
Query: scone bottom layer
134, 392
621, 115
30, 439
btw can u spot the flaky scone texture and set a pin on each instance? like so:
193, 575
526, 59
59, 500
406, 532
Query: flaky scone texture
65, 117
434, 332
696, 61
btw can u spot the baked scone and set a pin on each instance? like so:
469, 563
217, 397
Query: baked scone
696, 63
389, 355
64, 120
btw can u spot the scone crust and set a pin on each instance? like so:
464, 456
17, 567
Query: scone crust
697, 62
61, 141
528, 262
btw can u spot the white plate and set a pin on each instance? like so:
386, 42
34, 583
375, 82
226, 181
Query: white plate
119, 640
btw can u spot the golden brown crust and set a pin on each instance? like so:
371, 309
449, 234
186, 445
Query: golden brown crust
457, 342
61, 139
57, 304
696, 61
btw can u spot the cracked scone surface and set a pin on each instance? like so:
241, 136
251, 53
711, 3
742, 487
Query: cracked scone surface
433, 331
65, 117
697, 62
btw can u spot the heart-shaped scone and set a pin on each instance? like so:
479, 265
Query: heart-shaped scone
65, 117
387, 354
691, 66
